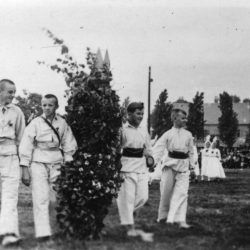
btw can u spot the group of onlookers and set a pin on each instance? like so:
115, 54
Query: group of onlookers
238, 158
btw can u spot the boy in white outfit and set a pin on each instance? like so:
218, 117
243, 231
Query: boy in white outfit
12, 125
47, 143
136, 145
175, 174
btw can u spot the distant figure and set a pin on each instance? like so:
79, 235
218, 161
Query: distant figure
215, 169
196, 163
205, 152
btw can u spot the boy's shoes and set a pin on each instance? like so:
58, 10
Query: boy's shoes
132, 232
43, 239
45, 242
144, 236
10, 239
161, 221
148, 237
184, 225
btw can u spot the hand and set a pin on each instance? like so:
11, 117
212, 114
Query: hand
25, 176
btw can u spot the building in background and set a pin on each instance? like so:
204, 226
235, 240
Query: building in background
212, 113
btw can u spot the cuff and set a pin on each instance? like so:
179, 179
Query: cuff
68, 157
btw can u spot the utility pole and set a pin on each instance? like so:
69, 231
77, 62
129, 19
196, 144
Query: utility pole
149, 96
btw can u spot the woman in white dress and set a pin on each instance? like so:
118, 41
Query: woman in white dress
196, 163
214, 166
205, 153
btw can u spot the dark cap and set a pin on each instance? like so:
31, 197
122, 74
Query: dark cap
135, 105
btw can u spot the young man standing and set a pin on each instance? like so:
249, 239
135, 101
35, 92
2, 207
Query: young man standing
175, 174
47, 143
12, 124
135, 147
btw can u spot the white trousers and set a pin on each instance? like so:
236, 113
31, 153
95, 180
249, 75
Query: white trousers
133, 194
43, 177
174, 193
10, 178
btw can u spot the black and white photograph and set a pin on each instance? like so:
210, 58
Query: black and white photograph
125, 125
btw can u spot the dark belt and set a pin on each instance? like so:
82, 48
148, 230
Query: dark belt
133, 152
178, 155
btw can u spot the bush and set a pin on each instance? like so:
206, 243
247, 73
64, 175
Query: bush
87, 186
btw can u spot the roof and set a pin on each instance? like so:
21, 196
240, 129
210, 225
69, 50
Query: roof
212, 113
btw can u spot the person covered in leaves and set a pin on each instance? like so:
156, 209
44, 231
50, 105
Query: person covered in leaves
47, 143
177, 143
136, 146
12, 125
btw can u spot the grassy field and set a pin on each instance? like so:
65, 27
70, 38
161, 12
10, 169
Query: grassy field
219, 212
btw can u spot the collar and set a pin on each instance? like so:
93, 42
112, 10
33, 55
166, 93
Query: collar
55, 117
178, 129
8, 106
128, 125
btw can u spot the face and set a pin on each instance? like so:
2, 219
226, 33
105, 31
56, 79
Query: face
49, 106
180, 120
7, 93
136, 117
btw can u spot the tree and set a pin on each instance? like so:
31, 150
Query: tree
228, 122
88, 185
161, 115
30, 104
246, 100
195, 122
235, 99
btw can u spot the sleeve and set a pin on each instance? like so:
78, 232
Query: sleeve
20, 126
27, 144
159, 147
148, 147
191, 152
69, 144
195, 154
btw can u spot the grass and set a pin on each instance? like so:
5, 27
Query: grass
220, 213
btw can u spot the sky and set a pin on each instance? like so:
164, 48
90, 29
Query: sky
190, 45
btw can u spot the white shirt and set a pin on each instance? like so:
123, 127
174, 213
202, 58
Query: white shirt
40, 143
175, 139
132, 137
12, 125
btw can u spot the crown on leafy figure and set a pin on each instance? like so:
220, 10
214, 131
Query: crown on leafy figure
101, 67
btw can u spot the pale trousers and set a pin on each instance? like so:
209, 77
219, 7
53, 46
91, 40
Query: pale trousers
133, 194
43, 177
10, 178
174, 193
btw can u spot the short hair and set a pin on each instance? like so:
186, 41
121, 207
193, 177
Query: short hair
3, 81
175, 112
135, 105
48, 96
